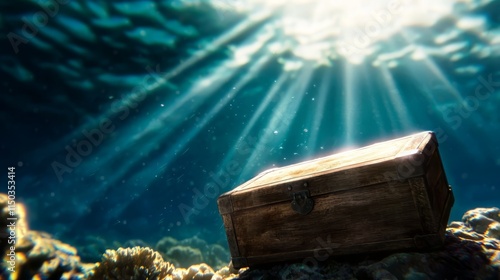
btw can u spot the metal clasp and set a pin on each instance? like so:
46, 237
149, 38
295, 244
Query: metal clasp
302, 202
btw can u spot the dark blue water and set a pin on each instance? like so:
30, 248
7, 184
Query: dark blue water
127, 120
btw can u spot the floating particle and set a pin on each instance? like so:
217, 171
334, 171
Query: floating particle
305, 130
275, 132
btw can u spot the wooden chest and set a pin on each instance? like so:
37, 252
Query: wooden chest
388, 196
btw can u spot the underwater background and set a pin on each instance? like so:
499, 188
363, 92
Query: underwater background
125, 120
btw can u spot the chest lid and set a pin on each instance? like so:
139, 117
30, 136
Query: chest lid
377, 163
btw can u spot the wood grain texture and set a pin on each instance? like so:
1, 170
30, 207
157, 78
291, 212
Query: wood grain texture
376, 213
363, 156
231, 235
422, 204
387, 196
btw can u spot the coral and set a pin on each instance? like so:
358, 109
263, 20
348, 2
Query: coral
217, 256
135, 243
13, 212
91, 247
484, 220
132, 263
227, 272
166, 243
39, 255
191, 251
471, 251
184, 255
480, 227
195, 272
195, 242
36, 254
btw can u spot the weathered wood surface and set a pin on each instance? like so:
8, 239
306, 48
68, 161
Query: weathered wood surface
390, 195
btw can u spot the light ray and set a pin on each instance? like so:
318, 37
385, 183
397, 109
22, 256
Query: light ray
434, 69
269, 96
396, 103
371, 94
320, 108
250, 22
185, 139
155, 129
171, 116
167, 157
349, 109
280, 122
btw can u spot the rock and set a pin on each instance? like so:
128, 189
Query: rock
484, 220
471, 251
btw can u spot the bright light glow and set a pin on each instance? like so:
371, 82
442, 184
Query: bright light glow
325, 29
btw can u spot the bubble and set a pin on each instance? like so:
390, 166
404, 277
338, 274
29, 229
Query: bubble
275, 132
306, 130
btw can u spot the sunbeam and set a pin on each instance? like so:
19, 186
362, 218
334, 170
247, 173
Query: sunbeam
129, 110
250, 22
320, 109
278, 126
348, 103
243, 141
395, 103
146, 176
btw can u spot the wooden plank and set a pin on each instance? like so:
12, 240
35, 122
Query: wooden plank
419, 143
422, 204
387, 196
371, 154
321, 252
433, 170
225, 205
386, 210
231, 235
317, 185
